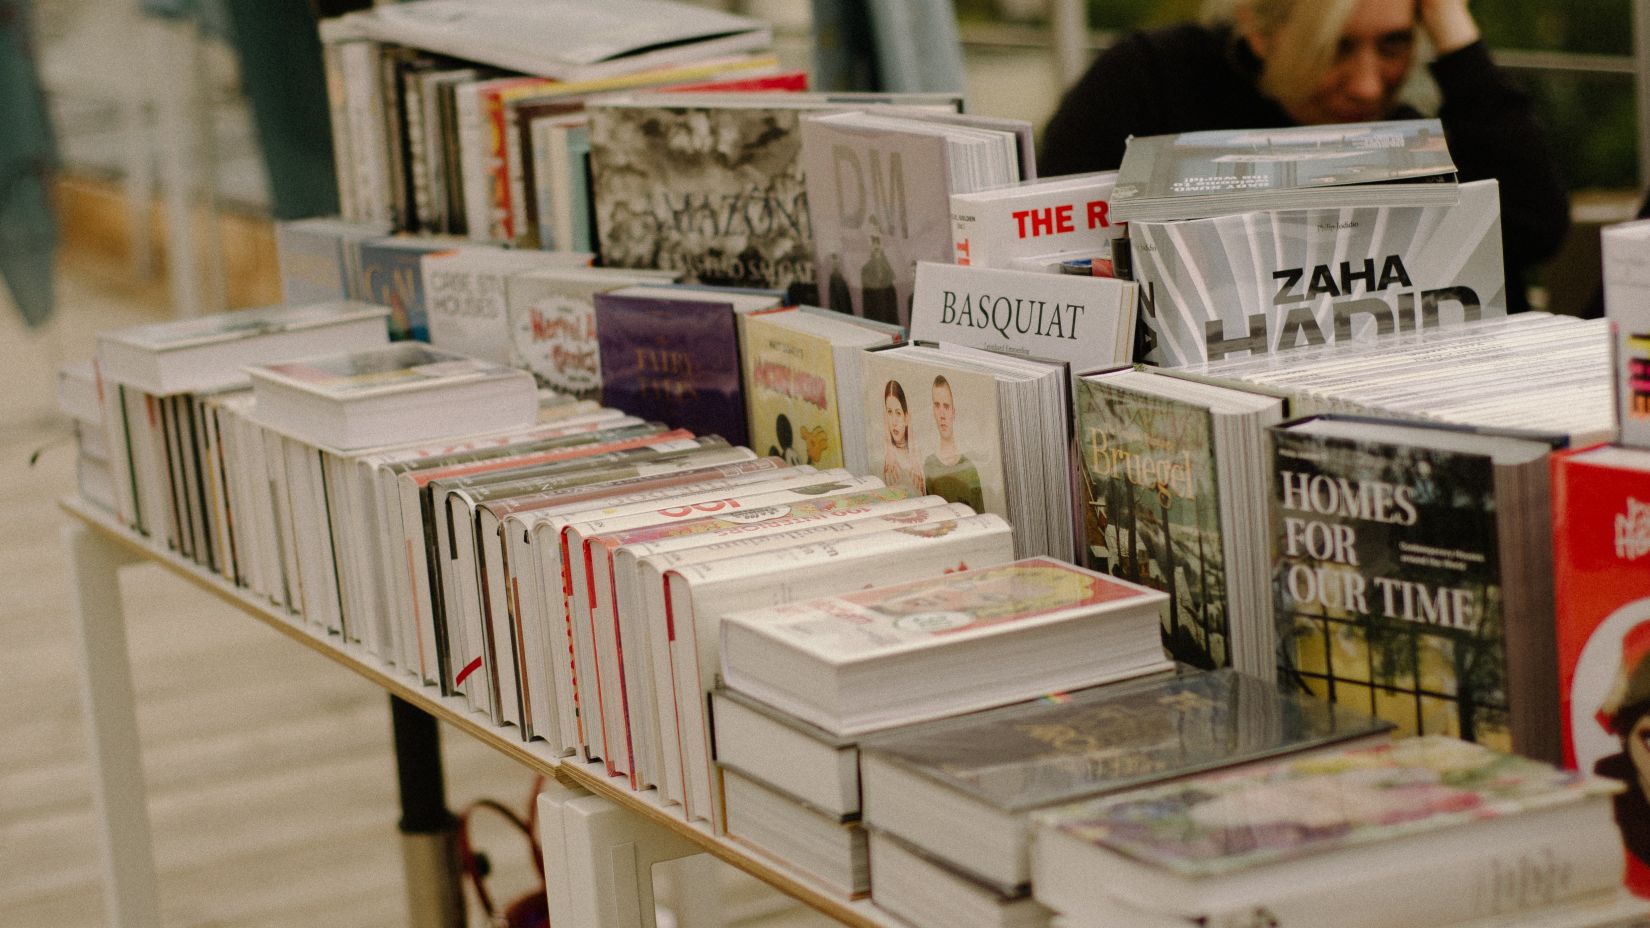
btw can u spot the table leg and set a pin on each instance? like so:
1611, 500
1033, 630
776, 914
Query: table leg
429, 832
118, 795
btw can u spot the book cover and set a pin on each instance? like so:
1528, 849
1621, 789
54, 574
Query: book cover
1116, 737
934, 429
1601, 552
1243, 819
714, 192
920, 613
1083, 321
1153, 511
993, 228
465, 299
400, 367
790, 391
1178, 176
675, 360
1263, 282
1387, 575
390, 276
552, 317
1627, 306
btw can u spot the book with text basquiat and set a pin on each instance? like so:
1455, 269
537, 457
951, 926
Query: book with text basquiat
1601, 561
673, 354
1175, 499
1211, 173
1422, 831
711, 184
956, 788
1413, 577
879, 195
1050, 215
1265, 282
1627, 306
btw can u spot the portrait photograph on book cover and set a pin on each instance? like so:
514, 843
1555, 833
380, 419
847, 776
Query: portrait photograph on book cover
1154, 515
716, 194
934, 431
1610, 724
1387, 582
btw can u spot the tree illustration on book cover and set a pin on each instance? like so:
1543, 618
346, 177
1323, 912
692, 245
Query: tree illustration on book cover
1386, 576
1153, 511
716, 194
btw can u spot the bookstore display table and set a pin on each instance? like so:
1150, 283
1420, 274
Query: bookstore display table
609, 835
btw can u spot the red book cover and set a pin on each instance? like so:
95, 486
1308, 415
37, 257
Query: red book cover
1601, 557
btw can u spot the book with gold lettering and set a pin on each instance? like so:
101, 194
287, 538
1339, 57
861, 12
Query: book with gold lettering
963, 789
672, 353
1175, 499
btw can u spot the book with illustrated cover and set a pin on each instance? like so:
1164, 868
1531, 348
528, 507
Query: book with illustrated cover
673, 354
208, 353
1266, 282
1601, 548
390, 275
879, 194
552, 314
1627, 306
1175, 499
1033, 626
944, 784
1196, 174
1413, 577
464, 295
1465, 831
791, 387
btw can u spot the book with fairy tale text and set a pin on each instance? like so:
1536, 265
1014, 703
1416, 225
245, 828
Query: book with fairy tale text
790, 393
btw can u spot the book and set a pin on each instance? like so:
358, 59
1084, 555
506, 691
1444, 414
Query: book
560, 39
391, 275
1176, 498
465, 301
967, 641
879, 190
1601, 538
998, 225
815, 767
1209, 173
801, 373
406, 392
924, 891
673, 354
207, 353
1626, 286
1281, 280
1084, 321
1466, 831
963, 789
830, 851
318, 258
1412, 570
552, 320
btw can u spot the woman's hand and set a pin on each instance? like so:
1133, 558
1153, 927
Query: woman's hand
1448, 24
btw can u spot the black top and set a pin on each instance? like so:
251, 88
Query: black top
1190, 78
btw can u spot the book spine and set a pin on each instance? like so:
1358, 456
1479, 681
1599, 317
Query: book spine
472, 162
338, 111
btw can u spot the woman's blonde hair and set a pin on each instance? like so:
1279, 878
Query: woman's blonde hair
1301, 35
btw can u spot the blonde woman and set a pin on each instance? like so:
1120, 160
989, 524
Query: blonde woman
1258, 64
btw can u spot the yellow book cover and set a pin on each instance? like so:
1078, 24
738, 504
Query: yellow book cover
790, 392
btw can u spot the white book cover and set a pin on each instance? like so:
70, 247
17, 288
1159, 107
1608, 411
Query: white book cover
399, 369
994, 227
1265, 282
1626, 253
1087, 322
552, 322
465, 300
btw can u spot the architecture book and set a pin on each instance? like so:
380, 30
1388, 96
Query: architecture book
1413, 577
1280, 280
1601, 547
1211, 173
963, 789
924, 649
1423, 831
405, 392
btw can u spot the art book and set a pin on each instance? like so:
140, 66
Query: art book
390, 276
552, 315
1208, 173
1412, 575
1627, 305
673, 354
1601, 552
997, 226
1264, 282
1420, 831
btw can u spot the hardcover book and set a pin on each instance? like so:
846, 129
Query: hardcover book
390, 275
994, 227
1601, 547
1208, 173
1262, 282
1627, 305
552, 315
1449, 821
465, 299
673, 355
943, 785
1412, 575
1087, 322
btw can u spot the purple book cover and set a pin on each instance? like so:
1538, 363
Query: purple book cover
672, 361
